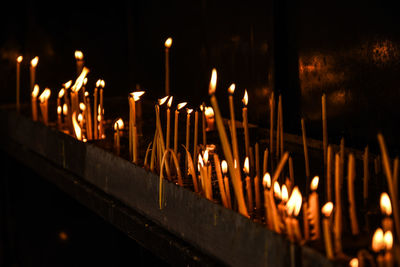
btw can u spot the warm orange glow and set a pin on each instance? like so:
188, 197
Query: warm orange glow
314, 183
386, 204
34, 62
45, 95
293, 206
119, 123
77, 128
201, 163
61, 93
63, 236
162, 100
377, 241
277, 190
189, 110
224, 167
82, 106
170, 101
327, 209
168, 42
98, 82
102, 84
86, 93
19, 59
59, 110
388, 240
136, 95
209, 112
85, 81
67, 84
65, 110
35, 91
245, 99
267, 180
205, 156
78, 55
353, 262
80, 117
285, 193
181, 105
79, 81
231, 89
201, 107
213, 82
246, 166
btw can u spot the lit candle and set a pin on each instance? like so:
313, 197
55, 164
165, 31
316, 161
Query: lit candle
118, 126
77, 128
67, 101
168, 123
206, 176
178, 107
386, 209
245, 101
353, 262
187, 141
135, 96
79, 61
338, 213
313, 204
220, 180
95, 109
65, 111
267, 202
209, 115
34, 63
257, 184
35, 93
59, 114
352, 201
101, 110
234, 172
167, 45
378, 245
80, 121
43, 98
235, 148
248, 186
75, 90
324, 128
203, 123
293, 207
19, 60
89, 117
224, 167
388, 242
327, 212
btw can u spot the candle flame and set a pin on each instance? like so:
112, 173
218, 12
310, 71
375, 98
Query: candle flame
98, 82
277, 190
245, 99
45, 95
65, 109
67, 84
119, 123
61, 93
189, 110
213, 82
231, 89
85, 81
385, 204
78, 55
35, 91
208, 112
170, 101
246, 166
353, 262
201, 163
80, 117
377, 240
201, 107
86, 93
77, 128
181, 105
293, 206
327, 209
267, 180
102, 84
79, 81
136, 95
19, 59
205, 156
82, 106
314, 183
168, 42
388, 240
162, 100
34, 62
285, 193
224, 167
59, 110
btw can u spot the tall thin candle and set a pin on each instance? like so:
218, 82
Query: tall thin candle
167, 45
34, 63
245, 101
179, 107
19, 60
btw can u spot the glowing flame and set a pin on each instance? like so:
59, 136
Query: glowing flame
386, 204
224, 167
102, 83
85, 81
235, 164
314, 183
34, 62
136, 95
293, 206
189, 110
168, 42
162, 100
208, 112
245, 99
78, 55
170, 101
231, 89
79, 81
327, 209
246, 165
119, 123
377, 241
86, 93
277, 190
201, 163
285, 193
65, 109
35, 91
213, 82
77, 128
388, 240
61, 93
353, 262
181, 105
45, 95
80, 117
267, 180
59, 110
98, 82
19, 59
205, 156
82, 106
201, 107
67, 84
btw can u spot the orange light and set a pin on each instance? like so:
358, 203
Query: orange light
267, 180
19, 59
224, 167
85, 81
201, 163
231, 89
65, 110
102, 83
293, 206
277, 190
181, 105
79, 81
170, 101
80, 117
353, 262
61, 93
77, 128
34, 62
385, 204
45, 95
67, 84
213, 82
168, 42
245, 99
388, 240
63, 236
327, 209
119, 123
377, 241
162, 100
98, 83
208, 112
59, 110
205, 156
86, 93
35, 91
189, 110
82, 106
78, 55
285, 193
136, 95
246, 166
314, 183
